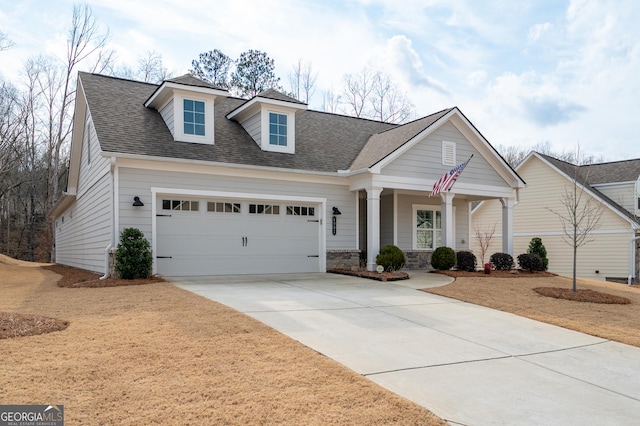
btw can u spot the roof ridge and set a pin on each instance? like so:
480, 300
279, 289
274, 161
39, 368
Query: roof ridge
113, 77
413, 121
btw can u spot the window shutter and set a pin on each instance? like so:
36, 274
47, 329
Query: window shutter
448, 153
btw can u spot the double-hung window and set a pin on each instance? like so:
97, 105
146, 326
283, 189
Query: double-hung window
193, 117
428, 229
277, 129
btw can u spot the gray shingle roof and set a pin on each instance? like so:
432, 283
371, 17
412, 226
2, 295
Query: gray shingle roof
274, 94
191, 80
594, 174
382, 144
324, 142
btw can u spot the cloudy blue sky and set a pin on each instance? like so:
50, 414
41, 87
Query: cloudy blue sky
524, 72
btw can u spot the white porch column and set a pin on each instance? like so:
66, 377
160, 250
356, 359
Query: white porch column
448, 239
507, 225
373, 226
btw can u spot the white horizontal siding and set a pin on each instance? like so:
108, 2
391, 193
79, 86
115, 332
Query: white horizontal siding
93, 165
138, 182
86, 231
424, 160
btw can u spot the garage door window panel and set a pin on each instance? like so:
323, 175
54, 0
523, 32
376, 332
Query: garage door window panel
267, 209
301, 211
223, 207
181, 205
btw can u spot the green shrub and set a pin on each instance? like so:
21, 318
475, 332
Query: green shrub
502, 261
443, 258
466, 261
530, 262
536, 246
133, 256
391, 258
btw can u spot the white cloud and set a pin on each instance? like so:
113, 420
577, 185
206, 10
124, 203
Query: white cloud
538, 31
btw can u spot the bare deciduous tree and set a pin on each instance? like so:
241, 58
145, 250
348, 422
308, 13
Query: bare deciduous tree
484, 238
151, 68
330, 101
5, 43
580, 213
302, 81
373, 95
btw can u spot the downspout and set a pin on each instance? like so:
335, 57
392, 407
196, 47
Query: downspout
107, 250
517, 197
632, 258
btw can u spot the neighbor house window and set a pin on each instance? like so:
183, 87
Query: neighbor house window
428, 232
193, 117
277, 129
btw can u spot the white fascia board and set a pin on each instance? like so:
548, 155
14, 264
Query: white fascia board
62, 205
227, 169
159, 93
633, 224
238, 113
75, 156
613, 184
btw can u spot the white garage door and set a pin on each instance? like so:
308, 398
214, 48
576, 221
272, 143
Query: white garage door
225, 237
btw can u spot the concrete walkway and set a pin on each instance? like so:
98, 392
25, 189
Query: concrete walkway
468, 364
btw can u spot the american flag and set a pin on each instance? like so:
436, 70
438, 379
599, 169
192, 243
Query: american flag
446, 181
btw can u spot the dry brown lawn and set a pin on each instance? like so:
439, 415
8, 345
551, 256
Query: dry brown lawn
157, 354
617, 322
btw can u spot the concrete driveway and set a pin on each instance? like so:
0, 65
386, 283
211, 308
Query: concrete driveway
468, 364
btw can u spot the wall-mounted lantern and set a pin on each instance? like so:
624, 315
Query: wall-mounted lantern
137, 202
334, 221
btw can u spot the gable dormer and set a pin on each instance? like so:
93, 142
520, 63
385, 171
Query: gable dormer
186, 104
270, 119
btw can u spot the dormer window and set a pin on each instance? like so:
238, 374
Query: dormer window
194, 118
277, 129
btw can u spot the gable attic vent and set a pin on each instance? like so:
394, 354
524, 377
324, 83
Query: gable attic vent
448, 153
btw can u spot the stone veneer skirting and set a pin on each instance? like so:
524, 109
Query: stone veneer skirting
418, 259
343, 259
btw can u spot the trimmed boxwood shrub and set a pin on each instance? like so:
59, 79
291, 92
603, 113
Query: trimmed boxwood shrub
536, 246
133, 256
391, 258
466, 261
502, 261
443, 258
530, 262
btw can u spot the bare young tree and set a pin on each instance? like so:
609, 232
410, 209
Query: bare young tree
330, 101
373, 95
356, 93
5, 43
388, 103
85, 40
484, 238
580, 214
151, 68
302, 81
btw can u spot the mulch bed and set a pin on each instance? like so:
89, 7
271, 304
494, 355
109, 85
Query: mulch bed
513, 273
18, 325
76, 278
582, 295
373, 275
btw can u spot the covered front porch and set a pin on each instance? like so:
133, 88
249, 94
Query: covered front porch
418, 224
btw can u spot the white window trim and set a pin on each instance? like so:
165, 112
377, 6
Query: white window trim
636, 199
448, 147
291, 127
178, 119
435, 208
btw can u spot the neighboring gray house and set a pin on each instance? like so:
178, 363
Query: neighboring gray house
221, 185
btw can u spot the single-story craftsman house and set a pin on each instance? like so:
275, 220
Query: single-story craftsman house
614, 186
221, 185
